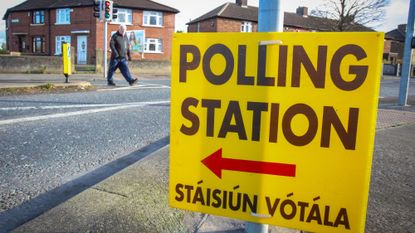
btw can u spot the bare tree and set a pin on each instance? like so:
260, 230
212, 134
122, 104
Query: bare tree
344, 15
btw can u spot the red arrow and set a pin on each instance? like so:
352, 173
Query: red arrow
216, 163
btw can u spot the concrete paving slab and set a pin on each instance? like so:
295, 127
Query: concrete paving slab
391, 118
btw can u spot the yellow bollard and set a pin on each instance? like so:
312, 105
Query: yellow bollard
66, 55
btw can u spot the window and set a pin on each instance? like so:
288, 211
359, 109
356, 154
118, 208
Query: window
38, 17
38, 44
59, 41
153, 45
63, 16
124, 16
246, 27
153, 18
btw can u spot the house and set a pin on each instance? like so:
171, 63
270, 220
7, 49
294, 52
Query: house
240, 17
394, 48
39, 28
394, 44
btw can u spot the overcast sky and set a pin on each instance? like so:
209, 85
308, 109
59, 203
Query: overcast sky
396, 13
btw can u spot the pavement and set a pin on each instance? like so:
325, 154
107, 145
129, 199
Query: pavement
135, 199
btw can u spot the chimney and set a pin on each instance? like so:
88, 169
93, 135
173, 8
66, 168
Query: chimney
302, 11
242, 3
402, 27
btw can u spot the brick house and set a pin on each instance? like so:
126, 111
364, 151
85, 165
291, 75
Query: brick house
39, 27
240, 17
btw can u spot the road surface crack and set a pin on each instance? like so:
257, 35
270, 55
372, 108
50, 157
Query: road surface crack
111, 192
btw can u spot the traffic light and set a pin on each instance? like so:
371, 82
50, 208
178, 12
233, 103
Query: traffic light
108, 10
114, 13
97, 9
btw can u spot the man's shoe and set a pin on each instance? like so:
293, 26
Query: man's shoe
111, 84
133, 81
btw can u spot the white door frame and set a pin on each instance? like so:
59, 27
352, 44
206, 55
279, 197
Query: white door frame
82, 49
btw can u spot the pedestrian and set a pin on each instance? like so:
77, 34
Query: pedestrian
120, 50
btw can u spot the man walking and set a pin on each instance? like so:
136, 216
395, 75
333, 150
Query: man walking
120, 48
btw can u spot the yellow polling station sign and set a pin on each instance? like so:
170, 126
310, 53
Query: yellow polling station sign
275, 128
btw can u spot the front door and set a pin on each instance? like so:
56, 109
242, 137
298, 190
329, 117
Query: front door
22, 43
82, 50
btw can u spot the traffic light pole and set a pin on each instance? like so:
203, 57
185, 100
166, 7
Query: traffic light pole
108, 7
105, 48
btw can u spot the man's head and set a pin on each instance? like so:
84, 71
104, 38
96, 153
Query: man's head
122, 29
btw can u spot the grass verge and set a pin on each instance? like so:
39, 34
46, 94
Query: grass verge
45, 89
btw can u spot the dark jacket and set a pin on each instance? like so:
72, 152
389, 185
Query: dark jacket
120, 46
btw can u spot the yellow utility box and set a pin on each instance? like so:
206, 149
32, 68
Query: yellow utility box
66, 55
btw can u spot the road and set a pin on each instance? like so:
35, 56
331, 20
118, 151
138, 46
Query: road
390, 86
48, 140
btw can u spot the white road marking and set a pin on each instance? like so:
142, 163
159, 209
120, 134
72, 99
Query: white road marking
61, 106
77, 113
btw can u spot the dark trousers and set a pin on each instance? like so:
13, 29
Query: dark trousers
122, 64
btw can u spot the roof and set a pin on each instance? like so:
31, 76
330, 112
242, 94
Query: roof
30, 5
231, 11
396, 34
250, 13
316, 23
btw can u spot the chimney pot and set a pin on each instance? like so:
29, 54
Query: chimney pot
242, 3
402, 27
302, 11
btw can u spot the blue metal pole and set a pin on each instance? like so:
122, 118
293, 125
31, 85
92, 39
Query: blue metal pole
407, 54
270, 16
270, 19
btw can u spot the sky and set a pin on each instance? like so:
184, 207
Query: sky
396, 13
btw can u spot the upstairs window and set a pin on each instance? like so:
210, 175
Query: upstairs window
246, 27
125, 16
153, 18
38, 17
63, 16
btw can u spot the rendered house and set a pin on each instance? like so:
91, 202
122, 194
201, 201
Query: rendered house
39, 27
240, 17
394, 49
394, 43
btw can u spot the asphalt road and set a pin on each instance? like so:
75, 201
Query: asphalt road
390, 87
48, 140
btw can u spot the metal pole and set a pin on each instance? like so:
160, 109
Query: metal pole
407, 55
270, 19
105, 49
270, 16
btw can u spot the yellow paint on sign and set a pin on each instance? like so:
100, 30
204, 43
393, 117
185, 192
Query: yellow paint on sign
275, 128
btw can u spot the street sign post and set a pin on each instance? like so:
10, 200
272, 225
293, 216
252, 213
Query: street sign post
275, 128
